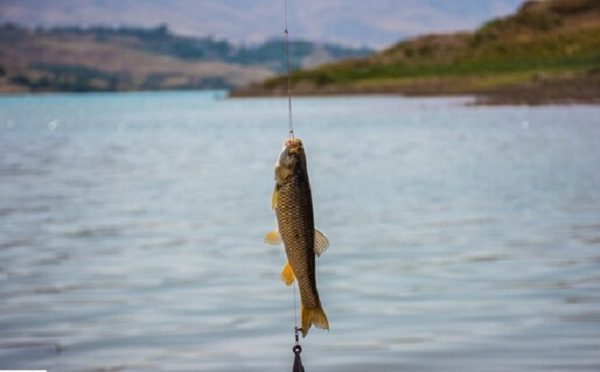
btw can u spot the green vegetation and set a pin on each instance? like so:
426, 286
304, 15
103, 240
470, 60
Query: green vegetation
543, 40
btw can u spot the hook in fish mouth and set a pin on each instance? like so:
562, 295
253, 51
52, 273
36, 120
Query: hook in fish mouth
292, 145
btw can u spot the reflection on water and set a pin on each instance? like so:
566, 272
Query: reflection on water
131, 234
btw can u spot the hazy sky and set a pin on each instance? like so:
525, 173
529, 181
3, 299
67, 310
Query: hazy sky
375, 23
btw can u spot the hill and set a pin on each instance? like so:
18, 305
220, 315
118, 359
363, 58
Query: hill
548, 51
347, 22
102, 58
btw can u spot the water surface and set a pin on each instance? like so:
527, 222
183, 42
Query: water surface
463, 238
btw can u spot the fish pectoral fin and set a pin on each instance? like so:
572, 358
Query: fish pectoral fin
275, 198
321, 243
314, 317
273, 237
287, 275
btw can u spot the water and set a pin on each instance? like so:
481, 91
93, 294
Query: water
463, 238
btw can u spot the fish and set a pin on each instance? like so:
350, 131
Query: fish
292, 203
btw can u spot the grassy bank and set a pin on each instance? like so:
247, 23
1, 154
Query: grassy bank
553, 43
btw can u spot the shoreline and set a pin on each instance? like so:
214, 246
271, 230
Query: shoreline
582, 89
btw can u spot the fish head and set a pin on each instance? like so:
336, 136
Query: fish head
290, 160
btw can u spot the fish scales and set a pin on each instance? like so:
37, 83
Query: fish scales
296, 226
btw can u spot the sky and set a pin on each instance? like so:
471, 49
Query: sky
375, 23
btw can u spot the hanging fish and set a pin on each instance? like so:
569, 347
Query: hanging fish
292, 203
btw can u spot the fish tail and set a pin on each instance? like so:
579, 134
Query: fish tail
314, 317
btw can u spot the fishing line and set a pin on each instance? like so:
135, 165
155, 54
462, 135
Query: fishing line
297, 349
291, 135
295, 307
289, 83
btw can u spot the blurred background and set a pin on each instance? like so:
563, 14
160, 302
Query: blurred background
453, 150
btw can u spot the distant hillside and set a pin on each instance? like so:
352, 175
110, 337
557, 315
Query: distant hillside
348, 22
101, 58
547, 49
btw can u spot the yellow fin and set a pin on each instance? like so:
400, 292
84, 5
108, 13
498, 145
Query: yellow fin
314, 317
287, 275
321, 243
273, 238
275, 198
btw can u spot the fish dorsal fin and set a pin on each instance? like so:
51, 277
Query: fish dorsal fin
273, 237
321, 243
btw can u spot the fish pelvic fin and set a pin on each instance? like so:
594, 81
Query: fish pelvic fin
314, 317
321, 243
273, 237
287, 275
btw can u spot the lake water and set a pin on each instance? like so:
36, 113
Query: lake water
462, 238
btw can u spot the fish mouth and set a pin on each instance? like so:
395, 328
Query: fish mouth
292, 145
